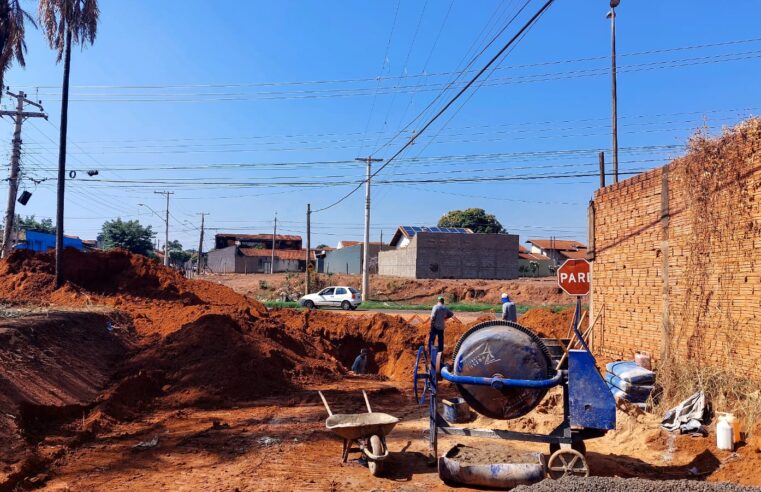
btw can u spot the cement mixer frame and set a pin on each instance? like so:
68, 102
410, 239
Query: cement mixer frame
589, 409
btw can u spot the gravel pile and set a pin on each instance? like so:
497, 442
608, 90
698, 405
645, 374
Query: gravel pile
611, 484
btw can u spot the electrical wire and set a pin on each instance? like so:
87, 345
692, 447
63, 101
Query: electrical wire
446, 106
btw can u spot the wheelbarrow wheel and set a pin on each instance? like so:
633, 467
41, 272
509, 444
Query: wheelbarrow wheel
376, 447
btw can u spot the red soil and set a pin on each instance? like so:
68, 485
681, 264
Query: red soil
158, 299
547, 323
178, 345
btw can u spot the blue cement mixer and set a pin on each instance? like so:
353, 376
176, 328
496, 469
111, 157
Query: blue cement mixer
504, 370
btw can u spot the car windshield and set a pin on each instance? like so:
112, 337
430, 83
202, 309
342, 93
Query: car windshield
353, 290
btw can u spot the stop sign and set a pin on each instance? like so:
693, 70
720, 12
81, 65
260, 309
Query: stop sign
574, 277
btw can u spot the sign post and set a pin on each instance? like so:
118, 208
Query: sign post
575, 278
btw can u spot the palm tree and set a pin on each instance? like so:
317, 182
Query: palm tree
12, 45
64, 22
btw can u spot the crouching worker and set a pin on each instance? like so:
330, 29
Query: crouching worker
509, 310
360, 363
439, 315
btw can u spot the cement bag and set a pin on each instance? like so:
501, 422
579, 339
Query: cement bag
637, 391
620, 394
630, 372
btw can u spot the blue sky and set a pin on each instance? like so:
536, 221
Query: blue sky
229, 103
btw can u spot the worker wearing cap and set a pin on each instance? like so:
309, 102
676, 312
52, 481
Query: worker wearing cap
360, 363
509, 310
439, 315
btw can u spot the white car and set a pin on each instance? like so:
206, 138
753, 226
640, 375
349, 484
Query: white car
337, 296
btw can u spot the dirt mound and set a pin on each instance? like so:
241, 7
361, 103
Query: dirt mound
219, 360
52, 365
548, 323
158, 299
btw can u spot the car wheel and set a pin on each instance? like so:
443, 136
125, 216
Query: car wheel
309, 305
346, 305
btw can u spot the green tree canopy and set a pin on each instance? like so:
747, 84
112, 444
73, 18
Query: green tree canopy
31, 224
475, 219
129, 235
176, 253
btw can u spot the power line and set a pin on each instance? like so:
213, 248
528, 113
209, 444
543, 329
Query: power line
375, 79
451, 101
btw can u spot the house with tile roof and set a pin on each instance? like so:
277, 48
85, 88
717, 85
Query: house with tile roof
558, 250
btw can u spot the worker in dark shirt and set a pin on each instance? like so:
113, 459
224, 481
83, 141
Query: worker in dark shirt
509, 310
439, 315
360, 363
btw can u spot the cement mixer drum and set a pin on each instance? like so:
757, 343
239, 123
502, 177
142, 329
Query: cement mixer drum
508, 350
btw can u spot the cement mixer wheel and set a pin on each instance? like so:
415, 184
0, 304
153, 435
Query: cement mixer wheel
577, 445
567, 463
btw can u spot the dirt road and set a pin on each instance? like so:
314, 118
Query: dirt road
526, 291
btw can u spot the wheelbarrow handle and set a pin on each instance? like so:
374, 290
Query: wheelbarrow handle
367, 402
325, 402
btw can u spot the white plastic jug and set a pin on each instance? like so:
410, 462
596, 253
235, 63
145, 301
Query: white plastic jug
726, 429
735, 424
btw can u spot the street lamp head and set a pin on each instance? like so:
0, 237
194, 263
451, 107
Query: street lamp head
614, 3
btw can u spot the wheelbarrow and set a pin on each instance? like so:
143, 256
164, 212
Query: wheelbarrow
368, 430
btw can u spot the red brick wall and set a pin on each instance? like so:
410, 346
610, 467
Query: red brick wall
681, 274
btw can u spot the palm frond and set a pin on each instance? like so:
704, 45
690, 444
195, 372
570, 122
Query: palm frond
12, 31
79, 17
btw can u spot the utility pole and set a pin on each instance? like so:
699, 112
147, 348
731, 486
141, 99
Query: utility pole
166, 226
614, 97
199, 263
274, 238
309, 247
15, 166
601, 157
366, 248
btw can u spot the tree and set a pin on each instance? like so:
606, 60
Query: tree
176, 253
30, 224
321, 246
475, 219
64, 22
129, 235
12, 45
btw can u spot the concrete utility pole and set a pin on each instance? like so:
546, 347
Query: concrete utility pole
15, 166
309, 247
199, 263
614, 97
366, 248
166, 226
274, 239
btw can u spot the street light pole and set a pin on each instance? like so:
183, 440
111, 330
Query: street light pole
614, 97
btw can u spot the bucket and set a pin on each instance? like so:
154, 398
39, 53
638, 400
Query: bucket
456, 410
642, 359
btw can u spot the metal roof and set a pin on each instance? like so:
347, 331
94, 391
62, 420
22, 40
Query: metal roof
412, 230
